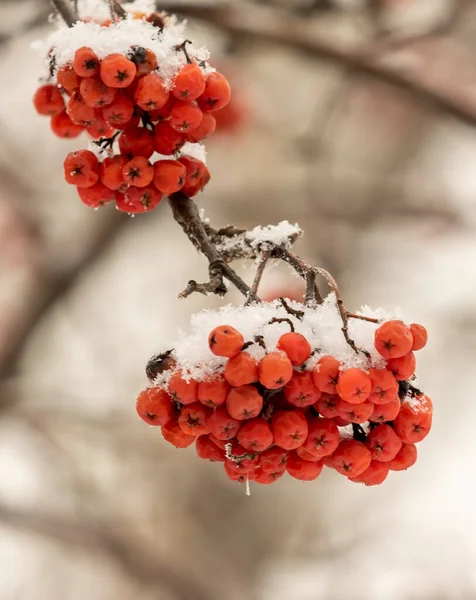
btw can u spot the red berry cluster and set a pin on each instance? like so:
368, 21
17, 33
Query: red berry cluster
123, 102
263, 418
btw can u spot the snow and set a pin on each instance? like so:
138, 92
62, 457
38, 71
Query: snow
279, 235
321, 325
195, 151
119, 37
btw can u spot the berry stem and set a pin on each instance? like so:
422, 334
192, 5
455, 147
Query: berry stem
288, 321
64, 8
183, 48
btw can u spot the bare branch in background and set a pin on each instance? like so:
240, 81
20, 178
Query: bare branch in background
65, 9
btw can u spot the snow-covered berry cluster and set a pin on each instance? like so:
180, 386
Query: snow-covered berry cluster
145, 95
275, 387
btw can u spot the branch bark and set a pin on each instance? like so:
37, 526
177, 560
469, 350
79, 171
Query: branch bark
65, 9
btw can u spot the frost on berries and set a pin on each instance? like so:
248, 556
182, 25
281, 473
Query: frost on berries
267, 401
144, 96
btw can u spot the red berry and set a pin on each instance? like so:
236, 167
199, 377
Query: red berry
273, 459
138, 172
326, 374
85, 63
303, 469
296, 347
208, 450
172, 433
351, 458
117, 71
404, 367
140, 200
255, 435
192, 419
81, 168
67, 79
328, 405
214, 392
405, 458
100, 128
217, 93
414, 420
275, 370
354, 386
120, 112
393, 339
305, 454
289, 429
151, 93
243, 462
265, 477
237, 475
384, 386
48, 100
144, 60
97, 195
169, 176
242, 369
375, 474
383, 443
183, 390
355, 413
167, 141
185, 117
244, 402
301, 391
79, 112
220, 443
385, 412
63, 127
204, 130
154, 406
111, 172
420, 336
221, 425
95, 93
189, 83
194, 169
323, 438
136, 141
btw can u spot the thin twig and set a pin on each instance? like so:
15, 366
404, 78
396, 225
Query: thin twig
214, 286
116, 10
310, 296
263, 260
288, 321
64, 8
291, 311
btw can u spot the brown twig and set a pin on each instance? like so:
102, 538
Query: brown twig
263, 261
288, 321
64, 8
214, 286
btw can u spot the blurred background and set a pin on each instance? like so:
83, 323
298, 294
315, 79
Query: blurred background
355, 118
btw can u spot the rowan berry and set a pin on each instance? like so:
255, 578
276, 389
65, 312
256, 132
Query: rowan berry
85, 62
194, 169
273, 459
393, 339
301, 391
169, 176
110, 172
97, 195
185, 117
154, 406
241, 369
138, 171
120, 112
420, 336
172, 433
383, 443
221, 425
48, 101
144, 60
326, 374
192, 419
355, 413
162, 113
296, 347
220, 443
217, 93
160, 363
136, 141
244, 402
385, 412
255, 435
208, 450
327, 461
63, 127
351, 458
290, 429
265, 477
192, 189
213, 393
354, 386
405, 458
183, 390
100, 129
167, 141
204, 130
328, 405
413, 422
140, 200
79, 112
323, 438
236, 475
95, 93
301, 469
189, 83
384, 386
375, 474
151, 93
117, 71
275, 370
402, 368
81, 168
243, 462
305, 454
68, 79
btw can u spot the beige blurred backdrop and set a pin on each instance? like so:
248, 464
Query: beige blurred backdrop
356, 119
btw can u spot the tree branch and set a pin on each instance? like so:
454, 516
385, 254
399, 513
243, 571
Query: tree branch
64, 8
